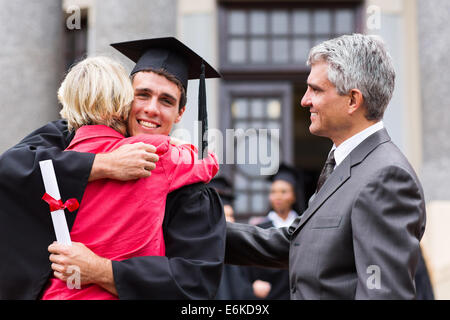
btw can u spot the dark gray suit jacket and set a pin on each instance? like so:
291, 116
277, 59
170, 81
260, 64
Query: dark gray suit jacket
358, 238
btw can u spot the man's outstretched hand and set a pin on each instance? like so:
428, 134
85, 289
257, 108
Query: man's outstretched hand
129, 162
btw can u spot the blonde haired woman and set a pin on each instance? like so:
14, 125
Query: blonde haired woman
98, 91
119, 220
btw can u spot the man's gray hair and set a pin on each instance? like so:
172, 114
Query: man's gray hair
359, 62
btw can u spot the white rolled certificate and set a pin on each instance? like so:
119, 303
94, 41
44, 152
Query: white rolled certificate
58, 216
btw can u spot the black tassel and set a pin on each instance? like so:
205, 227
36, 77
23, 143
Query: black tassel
202, 115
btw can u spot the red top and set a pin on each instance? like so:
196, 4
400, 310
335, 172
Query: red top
119, 220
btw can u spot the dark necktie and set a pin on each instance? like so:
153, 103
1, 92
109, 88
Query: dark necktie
326, 171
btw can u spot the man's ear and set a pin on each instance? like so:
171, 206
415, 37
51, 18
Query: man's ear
356, 101
180, 114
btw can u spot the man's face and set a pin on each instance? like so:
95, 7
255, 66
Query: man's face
329, 110
155, 107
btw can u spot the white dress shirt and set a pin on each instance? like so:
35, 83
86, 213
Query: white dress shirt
344, 149
279, 222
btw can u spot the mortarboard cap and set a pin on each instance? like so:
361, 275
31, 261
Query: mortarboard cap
223, 188
286, 173
296, 179
174, 57
169, 54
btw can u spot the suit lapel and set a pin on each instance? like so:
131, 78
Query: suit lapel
340, 175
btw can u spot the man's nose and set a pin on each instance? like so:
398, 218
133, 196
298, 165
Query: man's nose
306, 100
151, 107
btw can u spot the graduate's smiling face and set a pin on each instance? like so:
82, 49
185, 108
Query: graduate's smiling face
155, 107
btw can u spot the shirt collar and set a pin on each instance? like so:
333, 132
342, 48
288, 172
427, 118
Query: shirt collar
278, 222
94, 131
344, 149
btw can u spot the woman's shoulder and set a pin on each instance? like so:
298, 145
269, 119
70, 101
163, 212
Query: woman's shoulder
161, 142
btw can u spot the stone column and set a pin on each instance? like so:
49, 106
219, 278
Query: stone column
118, 20
31, 35
434, 48
197, 29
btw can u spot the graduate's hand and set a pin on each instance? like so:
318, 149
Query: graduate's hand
77, 263
129, 162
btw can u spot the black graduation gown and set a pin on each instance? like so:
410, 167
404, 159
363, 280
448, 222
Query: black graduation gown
194, 227
278, 278
234, 284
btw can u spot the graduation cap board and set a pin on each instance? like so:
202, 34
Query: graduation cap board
174, 57
286, 173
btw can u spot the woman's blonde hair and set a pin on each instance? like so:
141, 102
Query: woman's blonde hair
96, 90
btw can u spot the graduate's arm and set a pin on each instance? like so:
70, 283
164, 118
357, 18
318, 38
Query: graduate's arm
20, 164
128, 162
194, 235
251, 245
184, 168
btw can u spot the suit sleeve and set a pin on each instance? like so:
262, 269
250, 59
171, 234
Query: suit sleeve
25, 222
194, 235
387, 222
252, 245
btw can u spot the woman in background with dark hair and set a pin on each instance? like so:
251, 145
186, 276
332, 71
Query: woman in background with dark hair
287, 203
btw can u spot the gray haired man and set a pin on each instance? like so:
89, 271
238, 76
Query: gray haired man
359, 237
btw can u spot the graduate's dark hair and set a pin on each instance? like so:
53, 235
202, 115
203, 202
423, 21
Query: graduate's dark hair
171, 78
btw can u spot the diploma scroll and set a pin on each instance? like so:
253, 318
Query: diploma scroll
58, 216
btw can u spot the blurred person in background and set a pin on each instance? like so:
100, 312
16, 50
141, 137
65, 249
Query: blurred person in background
287, 203
234, 284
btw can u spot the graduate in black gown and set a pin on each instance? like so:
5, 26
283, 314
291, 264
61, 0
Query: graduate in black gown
193, 226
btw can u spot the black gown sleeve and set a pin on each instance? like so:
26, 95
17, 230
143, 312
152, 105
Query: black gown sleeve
194, 233
278, 278
234, 284
26, 228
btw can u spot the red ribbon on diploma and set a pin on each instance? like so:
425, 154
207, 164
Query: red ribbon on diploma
71, 204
